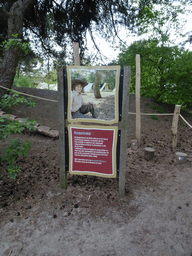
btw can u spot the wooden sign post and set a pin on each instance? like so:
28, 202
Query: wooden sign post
106, 153
62, 125
124, 129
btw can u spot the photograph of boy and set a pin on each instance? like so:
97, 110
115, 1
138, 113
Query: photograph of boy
78, 107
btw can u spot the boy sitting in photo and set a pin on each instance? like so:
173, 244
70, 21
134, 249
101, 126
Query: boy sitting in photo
78, 107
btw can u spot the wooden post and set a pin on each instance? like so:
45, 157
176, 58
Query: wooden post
138, 111
124, 126
76, 53
62, 121
175, 125
149, 153
62, 124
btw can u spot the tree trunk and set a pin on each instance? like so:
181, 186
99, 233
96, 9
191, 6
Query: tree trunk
8, 67
97, 86
11, 57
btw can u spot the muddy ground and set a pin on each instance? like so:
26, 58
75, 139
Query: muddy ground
37, 217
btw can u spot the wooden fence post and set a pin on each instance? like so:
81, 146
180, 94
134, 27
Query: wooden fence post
175, 125
124, 126
62, 124
76, 54
138, 111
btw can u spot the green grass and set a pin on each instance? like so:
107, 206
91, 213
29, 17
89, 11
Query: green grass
157, 108
154, 117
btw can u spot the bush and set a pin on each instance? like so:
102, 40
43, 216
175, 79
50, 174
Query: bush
25, 81
154, 117
17, 147
13, 99
157, 108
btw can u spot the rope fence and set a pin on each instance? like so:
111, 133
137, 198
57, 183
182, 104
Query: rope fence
185, 121
151, 114
131, 113
32, 96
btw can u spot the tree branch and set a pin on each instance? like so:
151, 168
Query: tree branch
42, 42
26, 4
97, 48
5, 11
114, 27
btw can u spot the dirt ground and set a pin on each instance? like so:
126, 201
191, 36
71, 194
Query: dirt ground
38, 217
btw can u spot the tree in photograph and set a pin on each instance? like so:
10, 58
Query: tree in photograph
96, 86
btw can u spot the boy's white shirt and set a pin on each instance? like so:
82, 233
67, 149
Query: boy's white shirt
76, 101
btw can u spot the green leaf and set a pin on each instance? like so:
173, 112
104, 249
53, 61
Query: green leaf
13, 171
17, 147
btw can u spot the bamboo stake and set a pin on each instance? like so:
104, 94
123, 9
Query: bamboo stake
138, 111
175, 125
76, 54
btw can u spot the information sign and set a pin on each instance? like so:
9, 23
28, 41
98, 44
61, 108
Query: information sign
92, 151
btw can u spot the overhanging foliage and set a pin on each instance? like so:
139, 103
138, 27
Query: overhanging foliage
166, 71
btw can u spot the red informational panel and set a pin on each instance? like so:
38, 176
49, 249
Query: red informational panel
92, 151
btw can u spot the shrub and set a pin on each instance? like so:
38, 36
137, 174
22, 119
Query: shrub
25, 81
13, 99
17, 147
154, 117
157, 108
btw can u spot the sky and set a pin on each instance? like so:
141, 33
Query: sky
112, 52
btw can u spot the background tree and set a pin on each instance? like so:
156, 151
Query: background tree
27, 63
71, 19
109, 78
165, 71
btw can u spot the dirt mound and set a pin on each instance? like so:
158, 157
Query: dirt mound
37, 187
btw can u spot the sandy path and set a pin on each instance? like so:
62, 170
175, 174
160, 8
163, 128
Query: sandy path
162, 226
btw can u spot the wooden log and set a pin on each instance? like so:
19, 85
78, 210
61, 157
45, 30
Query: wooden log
149, 153
53, 134
9, 117
44, 130
20, 120
2, 113
36, 126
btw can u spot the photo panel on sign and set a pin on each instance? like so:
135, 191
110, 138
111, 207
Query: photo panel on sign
93, 94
